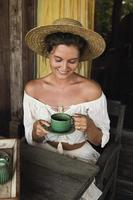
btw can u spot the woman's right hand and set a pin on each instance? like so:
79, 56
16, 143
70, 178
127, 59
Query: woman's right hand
39, 132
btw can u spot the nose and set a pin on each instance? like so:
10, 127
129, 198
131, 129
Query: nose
64, 66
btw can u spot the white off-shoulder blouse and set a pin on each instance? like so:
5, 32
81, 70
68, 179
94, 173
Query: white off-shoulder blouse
96, 110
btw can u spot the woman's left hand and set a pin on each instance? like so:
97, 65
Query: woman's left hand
85, 124
80, 122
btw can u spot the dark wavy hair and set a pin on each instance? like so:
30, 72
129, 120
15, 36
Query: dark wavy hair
55, 39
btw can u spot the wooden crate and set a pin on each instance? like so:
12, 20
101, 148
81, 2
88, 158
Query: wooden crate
11, 189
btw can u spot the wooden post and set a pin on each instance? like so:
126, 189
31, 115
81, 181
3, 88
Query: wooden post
16, 72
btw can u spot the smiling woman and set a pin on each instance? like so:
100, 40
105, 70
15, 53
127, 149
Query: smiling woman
66, 43
64, 63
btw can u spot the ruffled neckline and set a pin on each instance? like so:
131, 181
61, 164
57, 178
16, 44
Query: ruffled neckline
96, 101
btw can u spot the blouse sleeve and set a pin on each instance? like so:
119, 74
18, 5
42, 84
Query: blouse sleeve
33, 111
29, 119
98, 113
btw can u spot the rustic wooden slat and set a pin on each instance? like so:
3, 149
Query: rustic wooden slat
125, 175
4, 66
126, 163
20, 63
16, 71
17, 64
29, 21
124, 190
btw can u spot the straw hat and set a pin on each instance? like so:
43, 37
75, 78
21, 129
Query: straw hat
35, 37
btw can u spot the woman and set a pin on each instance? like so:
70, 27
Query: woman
66, 43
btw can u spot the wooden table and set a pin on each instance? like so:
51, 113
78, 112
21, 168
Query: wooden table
47, 175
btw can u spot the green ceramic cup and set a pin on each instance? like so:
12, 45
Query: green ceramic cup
61, 122
4, 167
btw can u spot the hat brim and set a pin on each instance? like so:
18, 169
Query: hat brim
35, 39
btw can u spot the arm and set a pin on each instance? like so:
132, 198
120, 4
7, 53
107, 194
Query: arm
34, 132
95, 123
94, 133
86, 124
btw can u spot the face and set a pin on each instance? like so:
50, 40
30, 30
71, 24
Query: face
64, 60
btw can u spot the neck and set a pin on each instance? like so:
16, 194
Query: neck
62, 83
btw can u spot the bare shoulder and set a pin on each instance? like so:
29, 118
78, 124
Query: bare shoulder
30, 87
92, 89
33, 87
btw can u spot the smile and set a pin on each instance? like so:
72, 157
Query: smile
62, 72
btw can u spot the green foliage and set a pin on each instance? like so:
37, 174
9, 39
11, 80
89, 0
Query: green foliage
127, 7
103, 14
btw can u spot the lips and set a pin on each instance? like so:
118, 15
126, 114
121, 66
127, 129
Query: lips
62, 72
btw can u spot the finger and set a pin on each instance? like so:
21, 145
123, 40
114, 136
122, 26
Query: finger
43, 122
78, 128
77, 125
42, 126
77, 116
41, 132
82, 120
77, 119
43, 129
81, 124
83, 129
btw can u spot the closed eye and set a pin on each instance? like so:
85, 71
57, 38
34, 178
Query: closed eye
58, 59
73, 61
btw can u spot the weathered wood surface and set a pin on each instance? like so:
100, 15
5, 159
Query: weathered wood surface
125, 175
4, 67
53, 176
17, 63
126, 161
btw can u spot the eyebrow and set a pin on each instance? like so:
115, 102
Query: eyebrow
69, 59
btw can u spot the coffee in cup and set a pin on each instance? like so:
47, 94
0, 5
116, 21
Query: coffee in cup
61, 122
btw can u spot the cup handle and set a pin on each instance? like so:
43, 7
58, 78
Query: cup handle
72, 121
46, 127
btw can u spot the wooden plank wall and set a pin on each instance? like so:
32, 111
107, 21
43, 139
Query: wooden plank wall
28, 10
4, 66
29, 21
